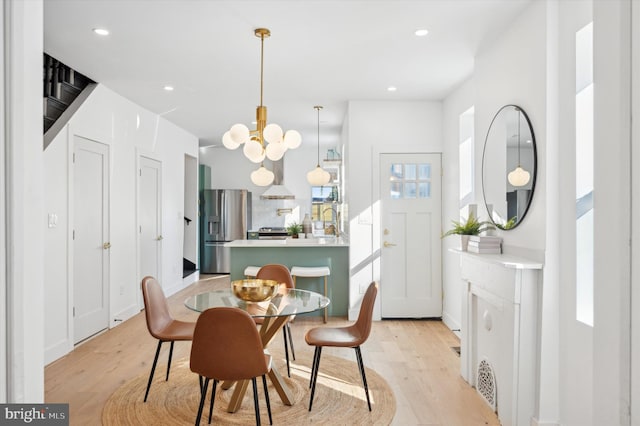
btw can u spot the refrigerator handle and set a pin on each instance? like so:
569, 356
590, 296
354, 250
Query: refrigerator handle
210, 226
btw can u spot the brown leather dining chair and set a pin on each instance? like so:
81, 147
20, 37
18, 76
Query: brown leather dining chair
281, 274
345, 337
160, 323
227, 346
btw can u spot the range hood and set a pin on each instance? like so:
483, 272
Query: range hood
278, 191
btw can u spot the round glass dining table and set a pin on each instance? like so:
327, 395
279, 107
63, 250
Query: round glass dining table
287, 302
275, 313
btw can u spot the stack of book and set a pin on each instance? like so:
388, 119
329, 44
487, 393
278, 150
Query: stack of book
485, 244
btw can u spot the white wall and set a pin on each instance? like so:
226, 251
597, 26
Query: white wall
454, 105
110, 119
375, 127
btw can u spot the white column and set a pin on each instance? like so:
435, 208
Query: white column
22, 37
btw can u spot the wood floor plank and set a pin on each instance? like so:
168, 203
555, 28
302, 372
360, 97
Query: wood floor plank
414, 357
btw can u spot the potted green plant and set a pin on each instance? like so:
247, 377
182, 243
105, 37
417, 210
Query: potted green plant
471, 226
294, 229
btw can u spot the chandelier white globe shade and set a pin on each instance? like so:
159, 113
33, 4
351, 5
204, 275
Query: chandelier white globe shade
254, 151
262, 177
292, 139
318, 177
228, 142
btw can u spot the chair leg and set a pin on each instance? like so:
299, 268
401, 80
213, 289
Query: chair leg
326, 310
203, 395
255, 401
266, 395
315, 375
286, 349
313, 366
364, 376
200, 380
169, 364
213, 398
293, 352
153, 370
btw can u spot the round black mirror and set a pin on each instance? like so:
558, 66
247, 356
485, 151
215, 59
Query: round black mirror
509, 167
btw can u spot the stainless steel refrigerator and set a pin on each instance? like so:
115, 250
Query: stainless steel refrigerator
225, 216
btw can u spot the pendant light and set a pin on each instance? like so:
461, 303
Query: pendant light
318, 176
518, 176
268, 140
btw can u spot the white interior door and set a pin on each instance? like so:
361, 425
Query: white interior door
149, 223
410, 193
90, 237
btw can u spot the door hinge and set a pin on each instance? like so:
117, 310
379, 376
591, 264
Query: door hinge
140, 171
74, 157
74, 311
73, 234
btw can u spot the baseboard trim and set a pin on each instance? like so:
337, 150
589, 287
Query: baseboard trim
536, 422
57, 350
450, 322
120, 317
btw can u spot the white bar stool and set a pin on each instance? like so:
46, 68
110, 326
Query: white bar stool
312, 272
251, 271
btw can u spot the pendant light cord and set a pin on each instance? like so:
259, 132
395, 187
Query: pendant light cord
518, 137
318, 109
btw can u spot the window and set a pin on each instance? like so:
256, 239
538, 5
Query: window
584, 175
465, 158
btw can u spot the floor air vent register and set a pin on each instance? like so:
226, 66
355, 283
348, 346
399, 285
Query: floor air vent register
486, 384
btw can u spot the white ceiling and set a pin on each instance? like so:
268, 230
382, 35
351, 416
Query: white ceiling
320, 53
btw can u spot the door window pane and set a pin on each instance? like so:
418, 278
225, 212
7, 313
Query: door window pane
424, 171
409, 171
424, 190
396, 190
410, 180
396, 171
410, 190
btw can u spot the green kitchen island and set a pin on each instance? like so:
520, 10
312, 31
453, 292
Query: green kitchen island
331, 252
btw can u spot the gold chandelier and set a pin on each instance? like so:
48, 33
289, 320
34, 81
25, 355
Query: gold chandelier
267, 140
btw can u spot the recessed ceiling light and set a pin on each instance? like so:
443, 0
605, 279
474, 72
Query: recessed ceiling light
168, 88
101, 31
421, 33
391, 89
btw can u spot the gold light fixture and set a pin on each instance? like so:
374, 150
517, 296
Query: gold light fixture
267, 140
518, 176
318, 176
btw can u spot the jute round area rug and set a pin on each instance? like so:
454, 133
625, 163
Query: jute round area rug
339, 398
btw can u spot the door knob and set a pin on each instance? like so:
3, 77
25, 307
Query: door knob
106, 246
388, 244
159, 238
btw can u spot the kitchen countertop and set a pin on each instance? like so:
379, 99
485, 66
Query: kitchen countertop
292, 242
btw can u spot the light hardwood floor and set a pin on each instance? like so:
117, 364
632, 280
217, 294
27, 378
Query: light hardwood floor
415, 358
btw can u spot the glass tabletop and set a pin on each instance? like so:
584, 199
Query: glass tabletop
288, 301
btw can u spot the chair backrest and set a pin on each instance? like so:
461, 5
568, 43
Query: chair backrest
276, 272
156, 309
226, 346
363, 323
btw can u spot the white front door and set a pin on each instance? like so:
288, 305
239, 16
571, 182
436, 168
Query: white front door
149, 223
410, 193
90, 237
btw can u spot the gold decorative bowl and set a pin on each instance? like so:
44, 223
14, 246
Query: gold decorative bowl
255, 290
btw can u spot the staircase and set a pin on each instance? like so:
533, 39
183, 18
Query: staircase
61, 86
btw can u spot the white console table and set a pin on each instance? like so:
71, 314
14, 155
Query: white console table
499, 338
